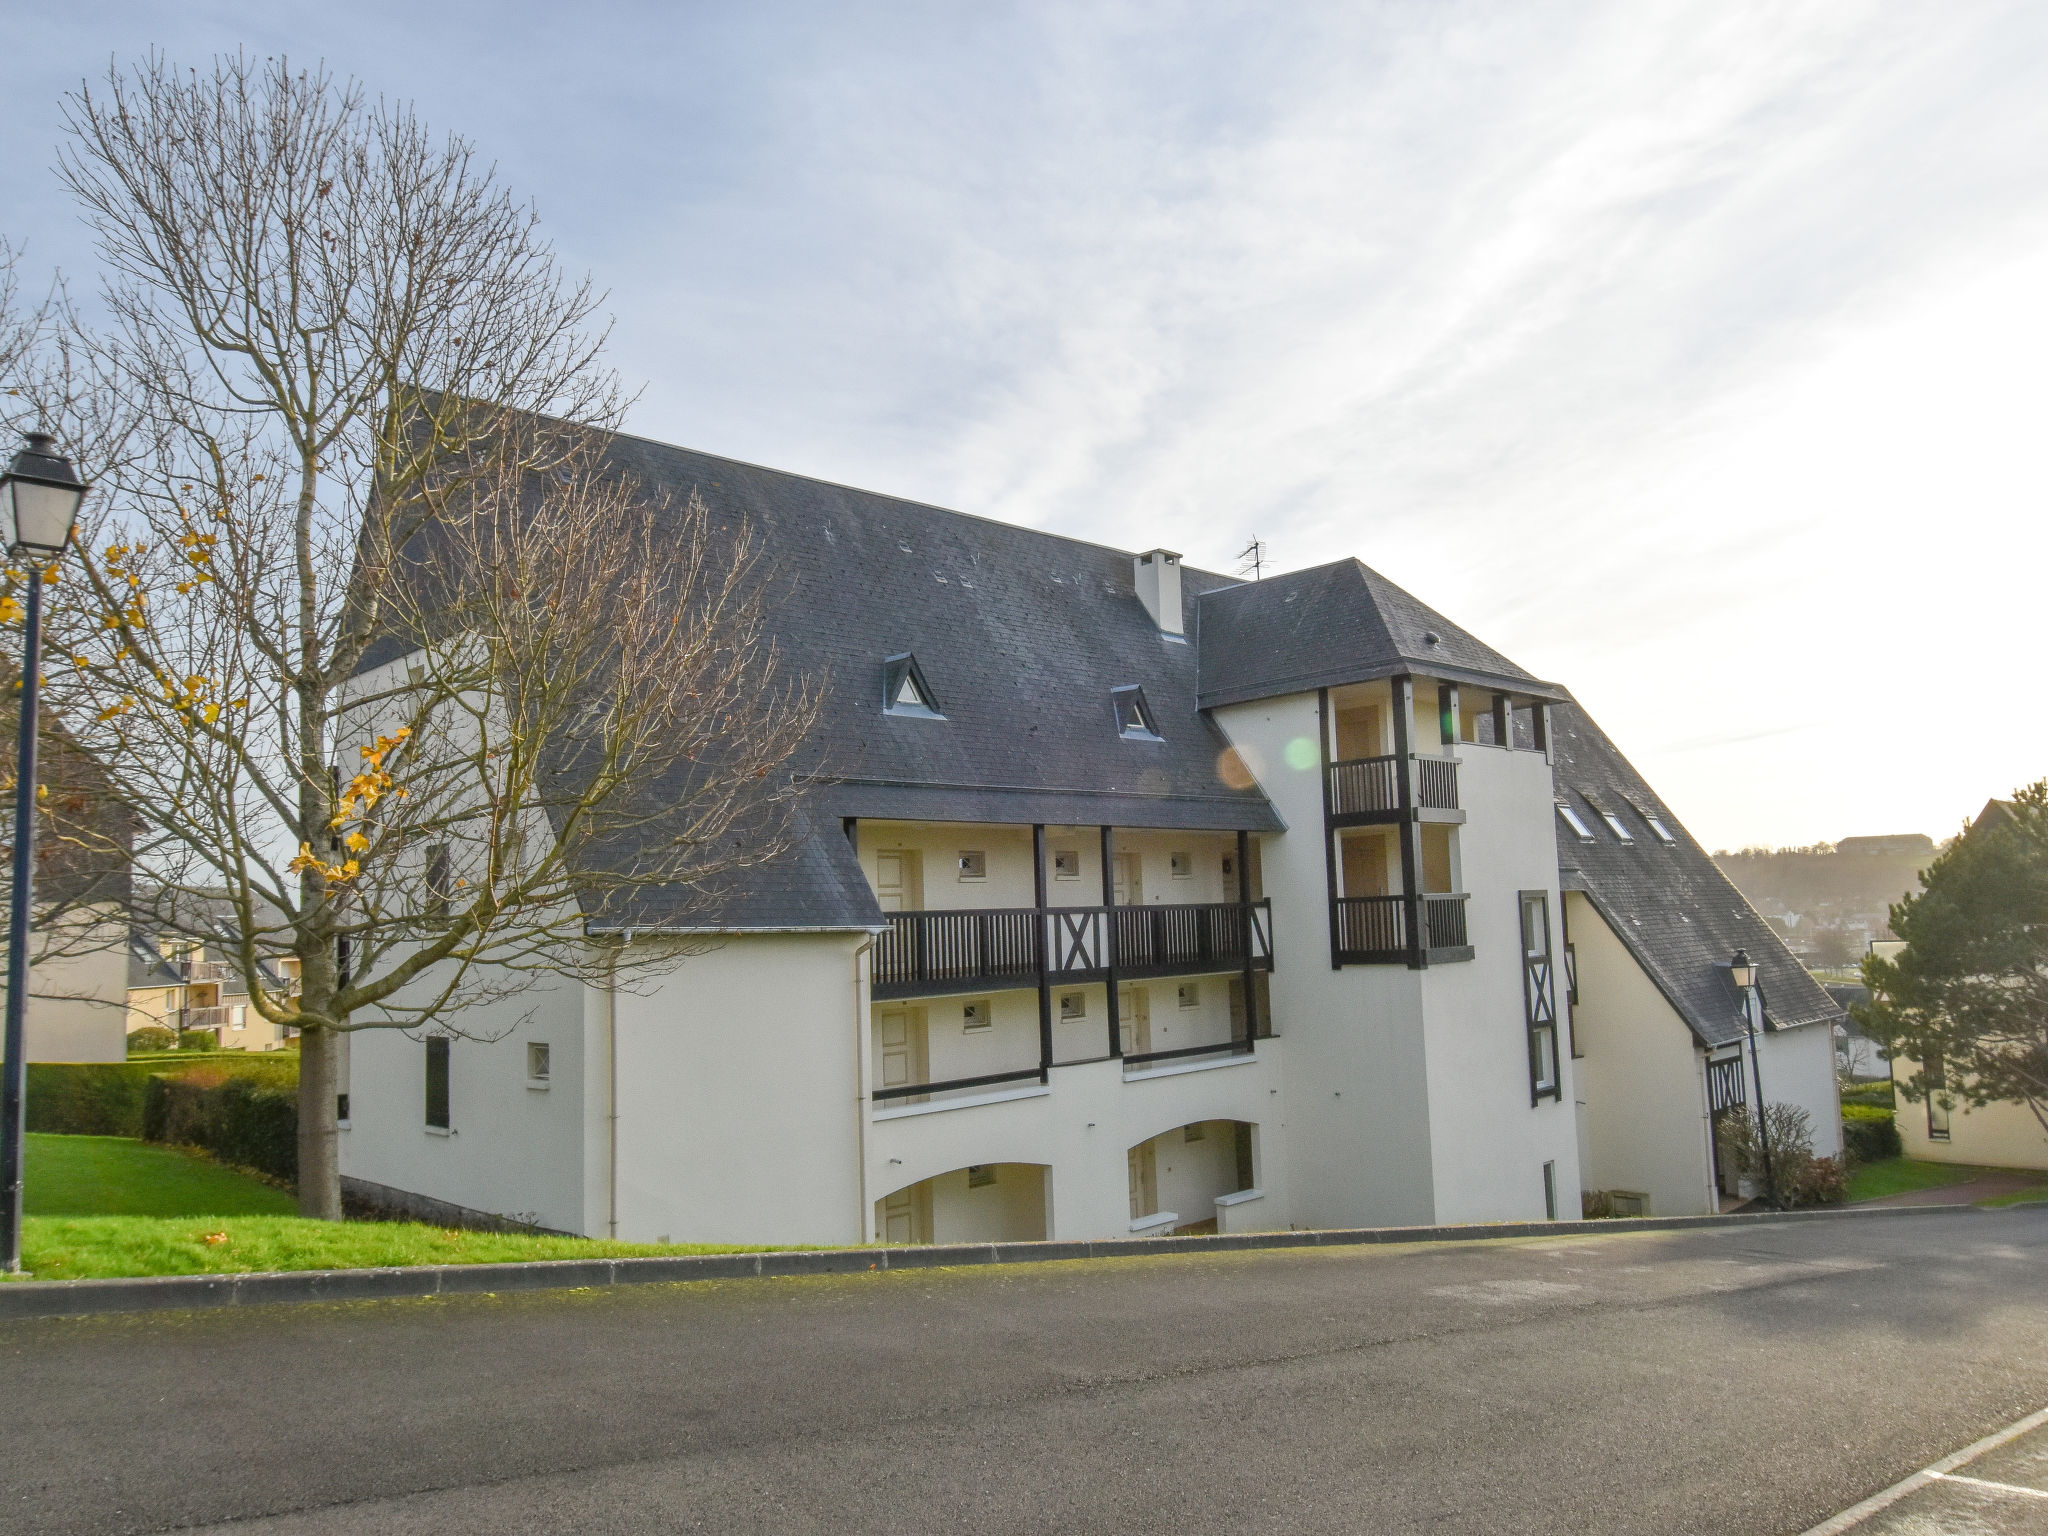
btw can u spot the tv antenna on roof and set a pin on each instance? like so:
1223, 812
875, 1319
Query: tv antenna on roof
1252, 562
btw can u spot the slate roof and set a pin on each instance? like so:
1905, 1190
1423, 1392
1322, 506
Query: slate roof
1669, 904
1332, 624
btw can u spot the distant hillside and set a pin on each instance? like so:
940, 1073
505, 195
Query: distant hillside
1831, 899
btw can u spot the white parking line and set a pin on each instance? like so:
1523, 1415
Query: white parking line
1938, 1471
1978, 1482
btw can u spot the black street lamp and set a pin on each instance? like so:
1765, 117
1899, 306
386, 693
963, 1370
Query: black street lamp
39, 497
1743, 972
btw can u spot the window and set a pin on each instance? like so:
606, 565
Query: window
1195, 1132
440, 881
1657, 826
1073, 1005
977, 1015
981, 1175
1191, 994
1934, 1078
1181, 865
1575, 821
973, 864
1539, 998
1134, 718
437, 1082
1066, 863
238, 1017
1614, 825
341, 1108
905, 691
537, 1060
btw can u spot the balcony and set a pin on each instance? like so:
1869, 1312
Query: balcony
926, 954
1368, 789
1374, 930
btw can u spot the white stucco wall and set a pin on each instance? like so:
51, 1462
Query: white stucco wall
1996, 1136
511, 1149
1641, 1080
1488, 1143
1357, 1128
78, 1005
1799, 1068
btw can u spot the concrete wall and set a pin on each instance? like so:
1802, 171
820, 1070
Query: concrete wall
1011, 1210
1488, 1143
1997, 1136
1641, 1083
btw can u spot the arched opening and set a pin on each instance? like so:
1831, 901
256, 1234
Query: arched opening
985, 1203
1188, 1179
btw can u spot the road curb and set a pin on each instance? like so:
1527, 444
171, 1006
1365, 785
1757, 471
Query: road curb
82, 1298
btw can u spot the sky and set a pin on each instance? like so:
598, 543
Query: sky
1691, 354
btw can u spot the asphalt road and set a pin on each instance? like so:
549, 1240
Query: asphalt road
1754, 1379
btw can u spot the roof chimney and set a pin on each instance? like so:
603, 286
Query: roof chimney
1157, 575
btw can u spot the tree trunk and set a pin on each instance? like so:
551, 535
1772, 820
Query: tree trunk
319, 1143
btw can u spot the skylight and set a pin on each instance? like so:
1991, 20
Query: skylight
1614, 825
1575, 821
904, 690
1657, 825
1134, 718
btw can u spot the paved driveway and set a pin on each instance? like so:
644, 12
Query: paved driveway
1720, 1381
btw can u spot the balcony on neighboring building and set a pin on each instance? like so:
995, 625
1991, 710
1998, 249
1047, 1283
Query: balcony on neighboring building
1379, 930
1364, 790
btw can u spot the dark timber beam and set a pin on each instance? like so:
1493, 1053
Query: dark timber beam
1403, 688
1116, 1030
1244, 912
1329, 832
1044, 957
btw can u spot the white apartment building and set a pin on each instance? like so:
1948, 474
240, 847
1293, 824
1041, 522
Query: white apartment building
1134, 900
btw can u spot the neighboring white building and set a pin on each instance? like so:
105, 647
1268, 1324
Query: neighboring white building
1136, 900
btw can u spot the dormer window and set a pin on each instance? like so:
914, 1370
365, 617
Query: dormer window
1134, 718
1575, 821
904, 690
1657, 826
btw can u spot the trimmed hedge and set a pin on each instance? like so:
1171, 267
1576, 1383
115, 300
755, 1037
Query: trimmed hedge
106, 1098
238, 1121
1869, 1134
1878, 1093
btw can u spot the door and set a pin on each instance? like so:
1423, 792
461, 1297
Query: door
1144, 1180
906, 1215
1359, 733
1365, 864
1130, 880
900, 1044
899, 880
1134, 1020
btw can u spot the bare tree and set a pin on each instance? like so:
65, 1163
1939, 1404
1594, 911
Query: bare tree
376, 642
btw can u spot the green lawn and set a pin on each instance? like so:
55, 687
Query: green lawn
1901, 1175
104, 1206
114, 1176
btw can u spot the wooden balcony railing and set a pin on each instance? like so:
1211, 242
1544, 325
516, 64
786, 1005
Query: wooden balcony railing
990, 949
1373, 930
1362, 786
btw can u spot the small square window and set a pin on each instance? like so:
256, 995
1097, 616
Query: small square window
1066, 863
981, 1175
977, 1015
1073, 1005
1191, 994
1181, 865
537, 1060
973, 864
1195, 1132
1575, 821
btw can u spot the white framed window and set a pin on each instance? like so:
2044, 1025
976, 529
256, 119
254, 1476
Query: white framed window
1073, 1005
1134, 718
1614, 825
977, 1015
1571, 818
1066, 863
238, 1017
1181, 865
904, 689
1191, 994
537, 1061
1656, 824
973, 864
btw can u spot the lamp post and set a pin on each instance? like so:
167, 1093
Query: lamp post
1742, 971
39, 497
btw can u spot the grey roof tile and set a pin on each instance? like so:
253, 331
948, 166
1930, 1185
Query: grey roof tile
1669, 904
